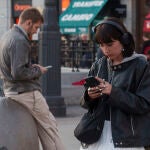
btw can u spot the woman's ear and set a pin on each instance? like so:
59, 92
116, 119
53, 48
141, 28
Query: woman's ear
125, 38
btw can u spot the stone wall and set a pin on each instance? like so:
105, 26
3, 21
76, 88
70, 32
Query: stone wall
5, 13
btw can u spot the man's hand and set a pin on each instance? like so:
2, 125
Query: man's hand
43, 69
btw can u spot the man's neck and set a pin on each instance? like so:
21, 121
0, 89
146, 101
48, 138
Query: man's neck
23, 30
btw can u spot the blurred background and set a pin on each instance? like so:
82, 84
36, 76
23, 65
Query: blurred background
77, 49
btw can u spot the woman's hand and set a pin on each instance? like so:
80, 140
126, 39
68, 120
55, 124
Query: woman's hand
93, 92
103, 88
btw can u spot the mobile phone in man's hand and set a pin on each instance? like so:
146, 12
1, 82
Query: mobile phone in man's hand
47, 67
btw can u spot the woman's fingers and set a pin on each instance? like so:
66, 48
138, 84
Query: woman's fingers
103, 88
104, 85
94, 92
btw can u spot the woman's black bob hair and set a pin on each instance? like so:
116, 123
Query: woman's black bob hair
113, 29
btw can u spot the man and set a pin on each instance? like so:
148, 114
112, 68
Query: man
21, 78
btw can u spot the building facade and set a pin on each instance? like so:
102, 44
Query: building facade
135, 12
5, 15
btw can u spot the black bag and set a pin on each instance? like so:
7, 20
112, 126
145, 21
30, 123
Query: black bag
90, 127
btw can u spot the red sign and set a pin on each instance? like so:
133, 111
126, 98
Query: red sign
65, 4
18, 7
146, 26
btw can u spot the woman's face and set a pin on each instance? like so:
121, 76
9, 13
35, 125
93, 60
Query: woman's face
112, 50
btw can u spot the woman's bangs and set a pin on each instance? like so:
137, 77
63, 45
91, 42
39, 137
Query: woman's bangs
105, 34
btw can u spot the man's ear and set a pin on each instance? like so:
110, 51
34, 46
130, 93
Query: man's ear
28, 22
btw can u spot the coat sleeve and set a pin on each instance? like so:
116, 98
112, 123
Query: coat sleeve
85, 100
137, 102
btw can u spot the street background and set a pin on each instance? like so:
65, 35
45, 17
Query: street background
67, 124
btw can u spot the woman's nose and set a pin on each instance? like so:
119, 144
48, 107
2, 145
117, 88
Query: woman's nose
106, 48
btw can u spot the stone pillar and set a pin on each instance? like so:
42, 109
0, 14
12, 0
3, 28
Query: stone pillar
49, 39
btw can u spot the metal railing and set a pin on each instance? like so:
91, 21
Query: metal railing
77, 54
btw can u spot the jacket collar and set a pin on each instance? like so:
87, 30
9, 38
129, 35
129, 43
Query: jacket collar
20, 29
127, 59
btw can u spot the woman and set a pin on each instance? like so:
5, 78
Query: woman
124, 78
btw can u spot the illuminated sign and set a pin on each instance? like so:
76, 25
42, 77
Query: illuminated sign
65, 4
20, 7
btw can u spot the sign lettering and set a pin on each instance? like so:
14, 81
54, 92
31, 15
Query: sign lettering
88, 4
18, 7
77, 17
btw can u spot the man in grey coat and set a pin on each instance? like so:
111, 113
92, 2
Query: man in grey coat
21, 78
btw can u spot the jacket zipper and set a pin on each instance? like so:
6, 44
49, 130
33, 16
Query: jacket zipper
132, 128
110, 78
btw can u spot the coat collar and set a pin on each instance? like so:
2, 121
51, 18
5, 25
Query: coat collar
20, 29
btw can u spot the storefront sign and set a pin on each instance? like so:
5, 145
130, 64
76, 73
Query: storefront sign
75, 30
120, 10
65, 4
87, 4
77, 17
19, 5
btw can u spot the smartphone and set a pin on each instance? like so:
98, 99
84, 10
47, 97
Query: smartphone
91, 82
47, 67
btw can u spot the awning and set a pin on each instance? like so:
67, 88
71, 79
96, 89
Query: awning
79, 15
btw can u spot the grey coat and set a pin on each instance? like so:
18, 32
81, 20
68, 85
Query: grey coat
17, 72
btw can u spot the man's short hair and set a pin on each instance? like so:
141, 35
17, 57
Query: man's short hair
31, 13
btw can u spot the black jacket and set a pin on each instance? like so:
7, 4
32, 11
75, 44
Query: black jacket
129, 101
